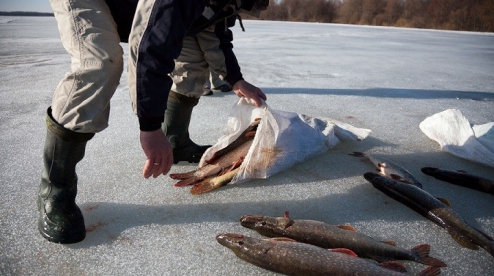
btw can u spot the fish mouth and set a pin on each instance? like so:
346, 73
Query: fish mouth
229, 239
428, 170
250, 221
369, 176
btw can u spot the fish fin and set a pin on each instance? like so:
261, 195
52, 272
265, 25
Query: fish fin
347, 227
181, 176
393, 243
282, 239
395, 266
462, 240
343, 251
430, 271
445, 201
421, 252
188, 181
381, 165
286, 215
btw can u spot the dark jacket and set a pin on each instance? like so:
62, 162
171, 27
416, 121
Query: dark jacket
161, 44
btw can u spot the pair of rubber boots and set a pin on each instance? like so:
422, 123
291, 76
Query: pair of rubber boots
60, 219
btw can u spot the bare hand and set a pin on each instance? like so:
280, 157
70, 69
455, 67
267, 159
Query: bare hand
245, 89
159, 153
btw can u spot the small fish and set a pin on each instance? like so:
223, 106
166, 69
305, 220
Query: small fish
389, 168
342, 236
461, 178
289, 257
434, 209
223, 161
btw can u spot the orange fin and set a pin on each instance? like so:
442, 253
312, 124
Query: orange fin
347, 227
213, 183
395, 266
422, 253
344, 251
181, 176
430, 271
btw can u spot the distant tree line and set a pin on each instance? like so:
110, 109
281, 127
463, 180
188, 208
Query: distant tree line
469, 15
21, 13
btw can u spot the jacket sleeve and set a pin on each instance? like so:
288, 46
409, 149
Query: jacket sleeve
159, 46
225, 36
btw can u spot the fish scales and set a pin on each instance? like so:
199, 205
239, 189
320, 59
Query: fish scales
296, 258
329, 236
434, 210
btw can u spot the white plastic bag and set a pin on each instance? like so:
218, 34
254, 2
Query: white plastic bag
282, 140
455, 135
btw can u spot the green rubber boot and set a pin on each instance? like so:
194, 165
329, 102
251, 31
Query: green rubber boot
60, 219
176, 127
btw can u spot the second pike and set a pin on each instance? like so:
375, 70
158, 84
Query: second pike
389, 168
435, 210
342, 236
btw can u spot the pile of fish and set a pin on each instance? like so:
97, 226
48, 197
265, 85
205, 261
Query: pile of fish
220, 169
308, 247
399, 184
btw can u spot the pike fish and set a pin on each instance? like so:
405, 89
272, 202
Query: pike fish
289, 257
461, 178
433, 209
389, 168
222, 162
341, 236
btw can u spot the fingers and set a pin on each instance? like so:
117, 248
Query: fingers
158, 151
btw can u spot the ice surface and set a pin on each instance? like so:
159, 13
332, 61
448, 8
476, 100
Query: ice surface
384, 79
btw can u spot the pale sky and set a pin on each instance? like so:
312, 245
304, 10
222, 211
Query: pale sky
25, 5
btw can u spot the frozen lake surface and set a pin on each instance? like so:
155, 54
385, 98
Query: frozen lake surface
384, 79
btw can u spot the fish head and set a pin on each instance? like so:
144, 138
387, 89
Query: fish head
266, 226
244, 245
372, 176
429, 170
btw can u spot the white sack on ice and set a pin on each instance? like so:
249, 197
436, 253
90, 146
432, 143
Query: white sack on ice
283, 138
455, 135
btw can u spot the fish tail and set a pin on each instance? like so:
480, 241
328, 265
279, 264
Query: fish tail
430, 271
421, 252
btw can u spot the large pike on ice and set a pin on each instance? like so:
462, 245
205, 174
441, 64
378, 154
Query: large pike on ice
223, 163
461, 178
389, 168
433, 209
296, 258
342, 236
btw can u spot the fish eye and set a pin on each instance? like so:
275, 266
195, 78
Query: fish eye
262, 223
240, 243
